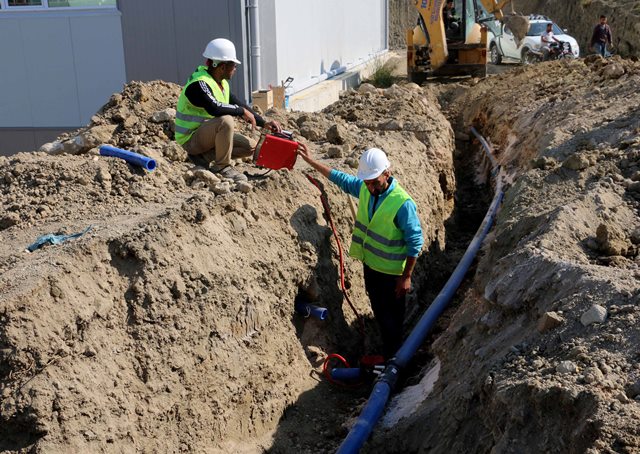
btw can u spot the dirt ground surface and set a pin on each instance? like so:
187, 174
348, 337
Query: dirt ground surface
542, 354
169, 326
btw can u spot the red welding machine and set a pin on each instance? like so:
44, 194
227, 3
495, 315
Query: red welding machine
276, 151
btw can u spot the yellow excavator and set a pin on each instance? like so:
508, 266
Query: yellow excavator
449, 42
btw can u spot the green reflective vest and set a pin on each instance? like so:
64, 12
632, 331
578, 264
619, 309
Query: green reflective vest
190, 117
379, 243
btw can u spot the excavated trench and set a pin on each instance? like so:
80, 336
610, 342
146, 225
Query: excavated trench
170, 325
319, 420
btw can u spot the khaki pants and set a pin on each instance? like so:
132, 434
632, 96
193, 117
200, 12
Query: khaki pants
217, 142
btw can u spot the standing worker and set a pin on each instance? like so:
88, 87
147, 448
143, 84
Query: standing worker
387, 237
206, 110
601, 36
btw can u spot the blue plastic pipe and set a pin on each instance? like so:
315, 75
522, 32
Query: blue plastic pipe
485, 145
428, 319
374, 408
129, 156
345, 373
307, 310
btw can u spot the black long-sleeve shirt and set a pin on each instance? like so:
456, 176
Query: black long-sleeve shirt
199, 94
601, 34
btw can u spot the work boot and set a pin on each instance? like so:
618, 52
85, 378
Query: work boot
231, 173
199, 160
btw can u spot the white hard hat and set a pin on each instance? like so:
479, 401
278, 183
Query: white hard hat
372, 163
221, 49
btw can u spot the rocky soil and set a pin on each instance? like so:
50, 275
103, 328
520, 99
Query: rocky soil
542, 354
169, 326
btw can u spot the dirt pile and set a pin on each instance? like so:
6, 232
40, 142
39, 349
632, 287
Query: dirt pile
169, 326
542, 355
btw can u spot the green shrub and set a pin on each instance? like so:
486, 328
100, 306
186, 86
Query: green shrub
382, 76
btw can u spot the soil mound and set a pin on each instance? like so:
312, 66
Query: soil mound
542, 355
169, 326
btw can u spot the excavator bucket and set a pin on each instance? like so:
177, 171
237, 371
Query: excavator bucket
519, 25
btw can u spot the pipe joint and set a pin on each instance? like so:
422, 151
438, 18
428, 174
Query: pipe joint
390, 375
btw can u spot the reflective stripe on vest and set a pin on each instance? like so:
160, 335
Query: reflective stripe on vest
379, 243
189, 117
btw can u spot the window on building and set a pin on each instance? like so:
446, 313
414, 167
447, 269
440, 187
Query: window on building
80, 3
43, 4
24, 3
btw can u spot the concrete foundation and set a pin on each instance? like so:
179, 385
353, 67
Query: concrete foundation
319, 96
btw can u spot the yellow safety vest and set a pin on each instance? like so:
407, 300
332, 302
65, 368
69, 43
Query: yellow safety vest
378, 242
189, 117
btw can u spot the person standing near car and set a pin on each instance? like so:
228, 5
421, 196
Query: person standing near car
601, 36
547, 38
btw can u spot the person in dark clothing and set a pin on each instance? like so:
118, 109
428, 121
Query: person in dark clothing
206, 111
601, 37
451, 24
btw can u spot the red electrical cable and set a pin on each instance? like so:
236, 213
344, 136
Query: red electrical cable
327, 373
325, 204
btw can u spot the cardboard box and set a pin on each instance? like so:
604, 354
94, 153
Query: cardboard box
278, 97
263, 99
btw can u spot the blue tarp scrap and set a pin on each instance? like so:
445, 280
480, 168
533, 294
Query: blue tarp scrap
55, 239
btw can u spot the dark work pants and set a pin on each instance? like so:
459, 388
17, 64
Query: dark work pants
387, 309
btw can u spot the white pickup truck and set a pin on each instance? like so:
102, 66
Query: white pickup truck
503, 45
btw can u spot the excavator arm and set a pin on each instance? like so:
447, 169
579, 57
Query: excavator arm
431, 14
495, 7
430, 34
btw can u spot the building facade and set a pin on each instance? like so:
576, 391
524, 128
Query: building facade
67, 57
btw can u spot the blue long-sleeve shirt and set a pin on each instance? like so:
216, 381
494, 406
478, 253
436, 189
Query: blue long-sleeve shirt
406, 219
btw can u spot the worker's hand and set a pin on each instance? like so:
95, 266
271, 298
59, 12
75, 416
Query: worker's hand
273, 125
304, 152
249, 118
403, 285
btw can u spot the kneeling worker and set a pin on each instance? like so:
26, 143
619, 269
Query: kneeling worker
387, 238
206, 110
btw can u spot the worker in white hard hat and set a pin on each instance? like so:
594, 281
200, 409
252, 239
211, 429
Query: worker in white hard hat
205, 124
387, 237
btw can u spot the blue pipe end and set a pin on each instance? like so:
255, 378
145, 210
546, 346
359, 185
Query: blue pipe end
346, 373
308, 310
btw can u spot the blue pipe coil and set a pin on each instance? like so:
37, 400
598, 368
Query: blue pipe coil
374, 408
307, 310
129, 156
345, 373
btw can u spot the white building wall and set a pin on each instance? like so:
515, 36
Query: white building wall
316, 36
58, 68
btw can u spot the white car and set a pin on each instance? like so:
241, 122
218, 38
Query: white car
502, 44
